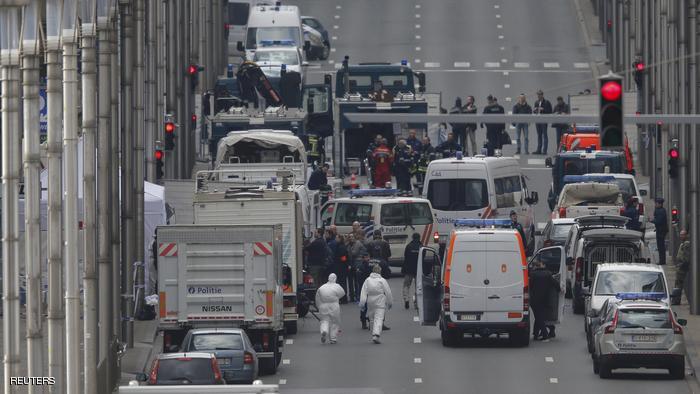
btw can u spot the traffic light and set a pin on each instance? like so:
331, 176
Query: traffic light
674, 215
159, 155
639, 67
169, 135
193, 119
673, 158
193, 71
611, 124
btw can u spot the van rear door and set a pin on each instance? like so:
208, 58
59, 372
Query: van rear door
505, 278
468, 278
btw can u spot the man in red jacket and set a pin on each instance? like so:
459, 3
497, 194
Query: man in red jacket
383, 158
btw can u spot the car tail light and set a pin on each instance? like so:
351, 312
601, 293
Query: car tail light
247, 358
266, 341
167, 340
579, 269
640, 208
677, 329
562, 212
547, 243
436, 237
153, 377
622, 211
526, 298
446, 300
217, 372
611, 328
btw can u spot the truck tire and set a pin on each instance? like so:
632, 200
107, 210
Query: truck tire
290, 327
268, 366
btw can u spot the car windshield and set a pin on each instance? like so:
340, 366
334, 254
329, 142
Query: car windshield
256, 35
579, 166
277, 57
403, 214
458, 194
647, 318
561, 231
346, 214
627, 188
189, 370
612, 282
216, 342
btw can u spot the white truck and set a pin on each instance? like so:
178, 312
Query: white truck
222, 276
586, 199
221, 202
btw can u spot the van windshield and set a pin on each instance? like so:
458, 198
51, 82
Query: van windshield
404, 214
256, 35
458, 194
612, 282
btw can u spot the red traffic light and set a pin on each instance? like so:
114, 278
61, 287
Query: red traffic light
673, 153
169, 127
611, 91
639, 66
674, 211
194, 117
192, 69
159, 154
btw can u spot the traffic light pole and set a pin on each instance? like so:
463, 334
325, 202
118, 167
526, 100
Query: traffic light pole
694, 292
139, 161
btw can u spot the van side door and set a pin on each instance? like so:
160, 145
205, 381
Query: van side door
428, 286
554, 260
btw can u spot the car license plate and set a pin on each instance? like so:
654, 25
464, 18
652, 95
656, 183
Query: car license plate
224, 361
643, 338
469, 317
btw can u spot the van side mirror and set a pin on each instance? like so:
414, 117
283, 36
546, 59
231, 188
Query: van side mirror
643, 192
141, 377
548, 162
682, 322
240, 47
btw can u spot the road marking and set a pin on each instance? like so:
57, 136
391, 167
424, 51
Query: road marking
417, 380
551, 65
462, 64
338, 65
547, 359
509, 99
581, 65
417, 6
521, 65
417, 61
510, 112
286, 361
289, 342
504, 60
417, 48
506, 86
331, 61
335, 26
492, 64
417, 360
506, 73
417, 15
553, 380
336, 16
534, 162
498, 16
417, 37
503, 48
416, 318
432, 64
334, 38
332, 49
499, 26
417, 340
496, 6
417, 26
500, 37
283, 381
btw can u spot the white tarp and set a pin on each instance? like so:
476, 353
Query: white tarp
265, 139
593, 193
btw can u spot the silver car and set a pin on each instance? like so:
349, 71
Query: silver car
233, 349
634, 332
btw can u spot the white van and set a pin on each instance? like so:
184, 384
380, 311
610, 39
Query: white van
237, 22
482, 288
267, 23
479, 187
380, 209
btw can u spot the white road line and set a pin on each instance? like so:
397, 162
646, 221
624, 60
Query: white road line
417, 61
551, 65
417, 26
416, 318
498, 16
417, 6
492, 64
509, 99
534, 162
499, 26
283, 381
417, 48
417, 37
521, 65
462, 64
286, 361
332, 49
553, 380
336, 26
503, 48
336, 16
417, 360
581, 65
507, 86
289, 342
432, 64
504, 60
496, 6
417, 340
331, 61
417, 380
547, 359
500, 37
417, 15
338, 7
334, 38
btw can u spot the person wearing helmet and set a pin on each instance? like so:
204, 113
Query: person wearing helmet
328, 302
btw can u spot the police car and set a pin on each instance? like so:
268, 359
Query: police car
272, 56
638, 330
382, 209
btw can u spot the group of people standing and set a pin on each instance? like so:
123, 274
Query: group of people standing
407, 158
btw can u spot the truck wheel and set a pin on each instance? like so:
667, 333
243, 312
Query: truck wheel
268, 366
450, 338
578, 306
325, 52
290, 327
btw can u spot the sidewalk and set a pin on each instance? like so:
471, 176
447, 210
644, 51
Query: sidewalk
588, 22
146, 345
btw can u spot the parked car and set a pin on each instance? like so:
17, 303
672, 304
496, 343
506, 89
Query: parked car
233, 349
317, 49
184, 369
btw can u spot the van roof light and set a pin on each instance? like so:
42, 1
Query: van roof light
588, 179
458, 155
483, 223
373, 192
652, 296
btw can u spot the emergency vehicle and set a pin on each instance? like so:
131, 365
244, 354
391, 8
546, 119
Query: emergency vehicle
382, 209
478, 187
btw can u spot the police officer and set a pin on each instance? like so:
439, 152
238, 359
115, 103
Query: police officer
413, 141
319, 177
493, 130
427, 153
379, 248
661, 223
516, 225
403, 161
682, 266
449, 147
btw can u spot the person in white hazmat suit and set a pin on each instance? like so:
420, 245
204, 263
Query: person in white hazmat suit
376, 297
328, 302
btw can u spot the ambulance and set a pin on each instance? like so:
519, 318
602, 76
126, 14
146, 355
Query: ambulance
478, 187
382, 209
482, 287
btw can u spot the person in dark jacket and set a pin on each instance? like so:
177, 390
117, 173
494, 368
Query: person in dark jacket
317, 252
403, 161
661, 223
340, 265
523, 108
470, 108
518, 226
542, 285
632, 212
561, 108
364, 269
319, 177
450, 147
493, 130
413, 141
542, 106
459, 129
410, 268
378, 248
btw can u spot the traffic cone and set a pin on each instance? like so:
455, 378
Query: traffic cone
353, 181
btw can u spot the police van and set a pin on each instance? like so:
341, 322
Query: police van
482, 287
479, 187
381, 209
272, 23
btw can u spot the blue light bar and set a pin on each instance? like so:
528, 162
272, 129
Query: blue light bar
404, 62
641, 296
589, 128
483, 223
373, 192
588, 179
277, 42
459, 155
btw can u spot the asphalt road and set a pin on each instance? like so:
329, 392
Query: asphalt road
504, 48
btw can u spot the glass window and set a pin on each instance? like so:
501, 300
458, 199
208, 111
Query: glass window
238, 13
348, 213
397, 81
311, 23
505, 187
277, 57
626, 188
613, 282
258, 34
394, 214
648, 318
420, 213
196, 370
561, 231
360, 81
458, 194
216, 342
316, 99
